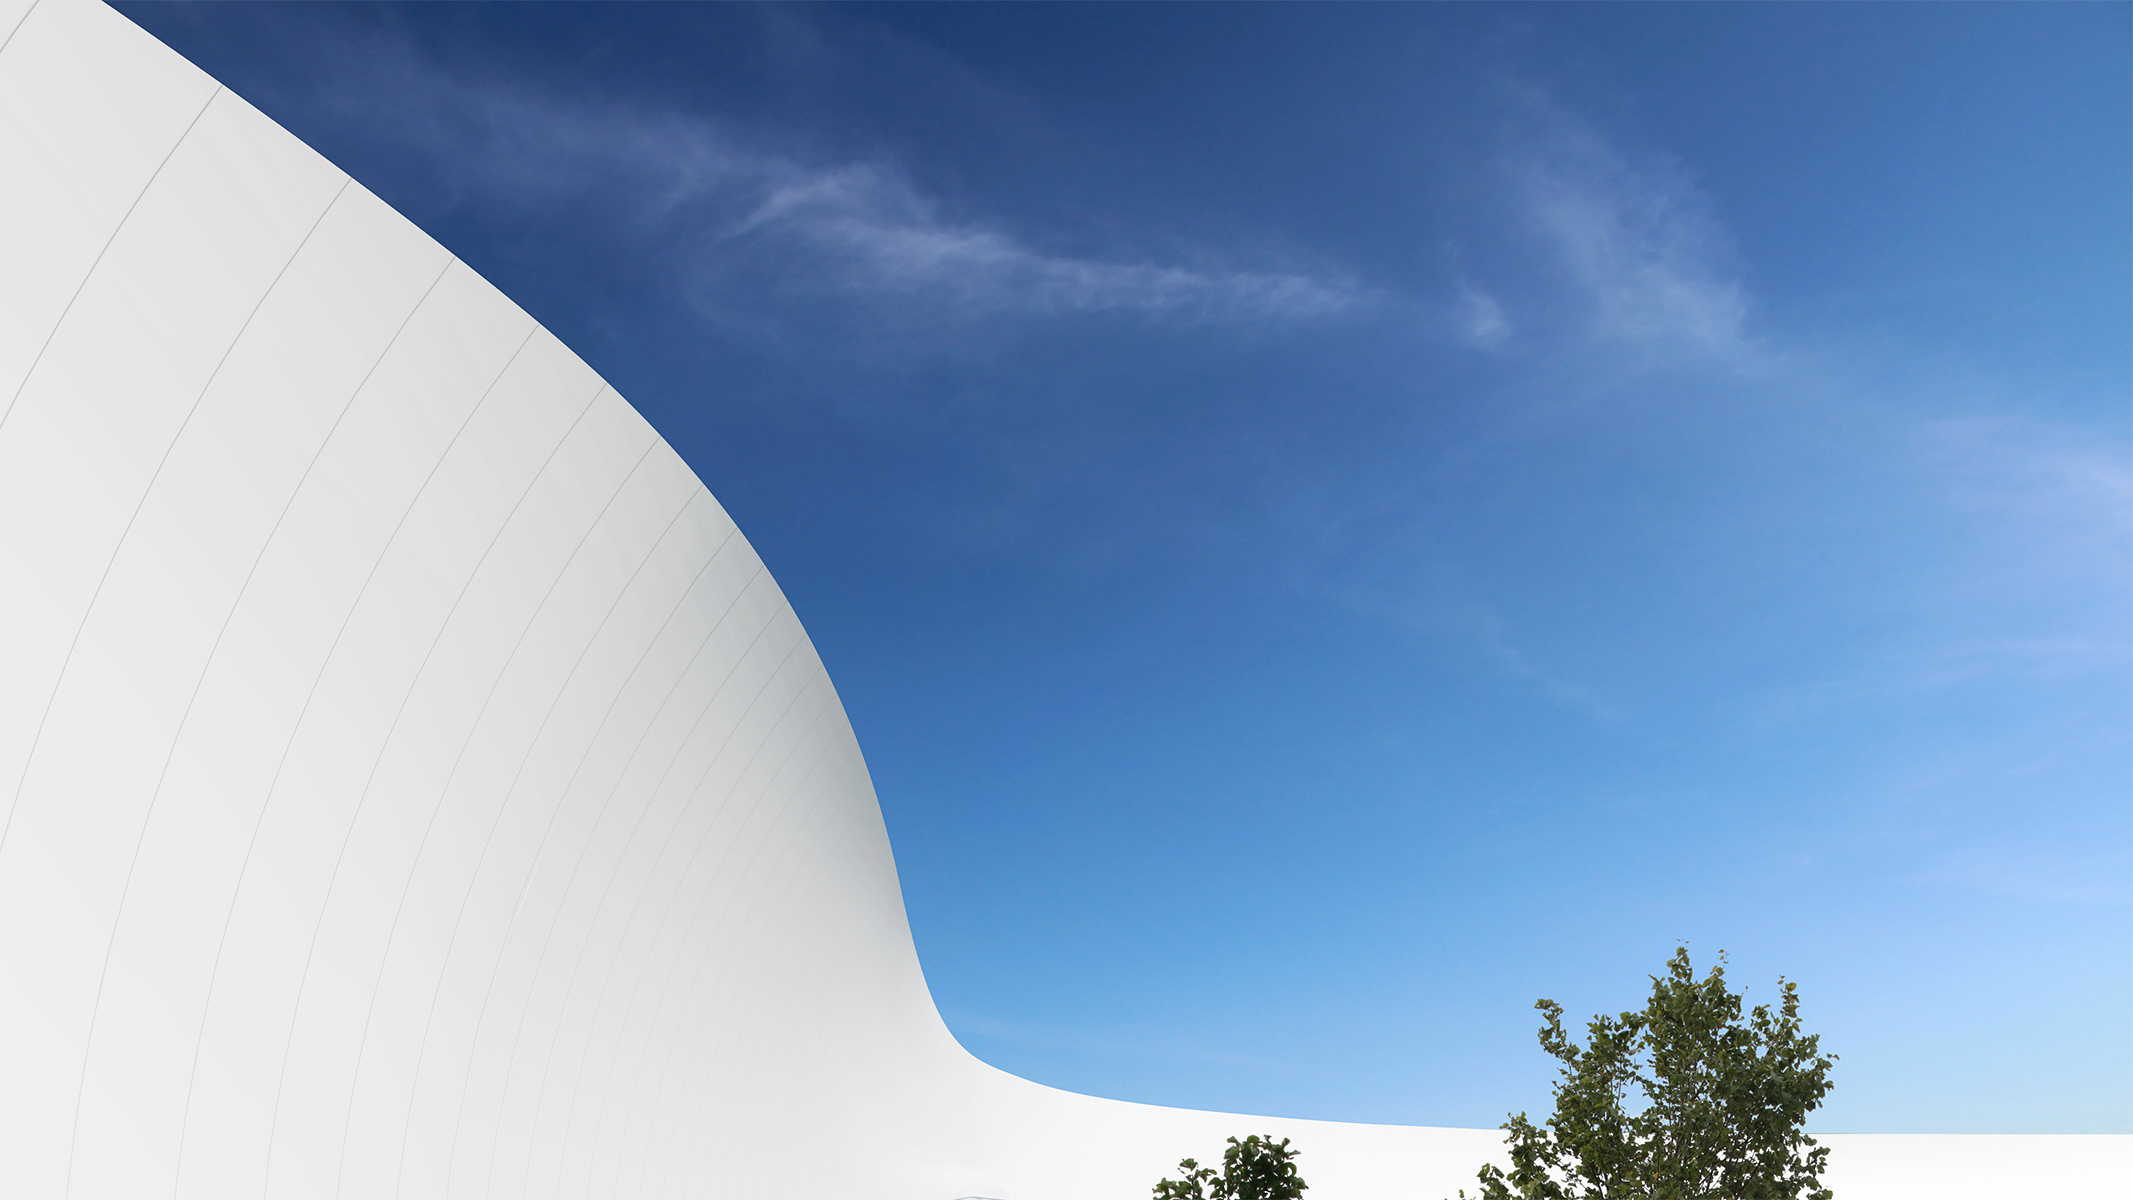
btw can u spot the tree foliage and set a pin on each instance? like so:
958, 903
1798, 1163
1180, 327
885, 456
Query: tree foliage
1257, 1168
1681, 1101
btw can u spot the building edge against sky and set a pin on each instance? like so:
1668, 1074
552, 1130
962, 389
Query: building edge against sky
413, 782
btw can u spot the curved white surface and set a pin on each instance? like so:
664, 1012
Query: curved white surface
413, 784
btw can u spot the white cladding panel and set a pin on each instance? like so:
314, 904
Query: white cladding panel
412, 782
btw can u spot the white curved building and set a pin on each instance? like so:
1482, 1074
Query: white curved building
412, 782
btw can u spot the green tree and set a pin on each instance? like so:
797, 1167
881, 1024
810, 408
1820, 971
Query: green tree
1681, 1101
1257, 1168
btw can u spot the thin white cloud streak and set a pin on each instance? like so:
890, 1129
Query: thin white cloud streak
1496, 635
1480, 320
1637, 241
2008, 461
882, 235
1439, 604
857, 230
2051, 512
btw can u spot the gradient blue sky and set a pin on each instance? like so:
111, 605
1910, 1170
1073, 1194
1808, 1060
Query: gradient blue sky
1334, 522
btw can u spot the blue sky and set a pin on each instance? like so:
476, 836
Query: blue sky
1334, 522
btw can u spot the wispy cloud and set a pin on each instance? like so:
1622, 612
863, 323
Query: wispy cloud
775, 218
2029, 465
1480, 320
1496, 636
2048, 510
2025, 575
1435, 601
2017, 587
2035, 873
873, 230
1635, 237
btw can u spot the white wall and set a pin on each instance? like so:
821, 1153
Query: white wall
413, 784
